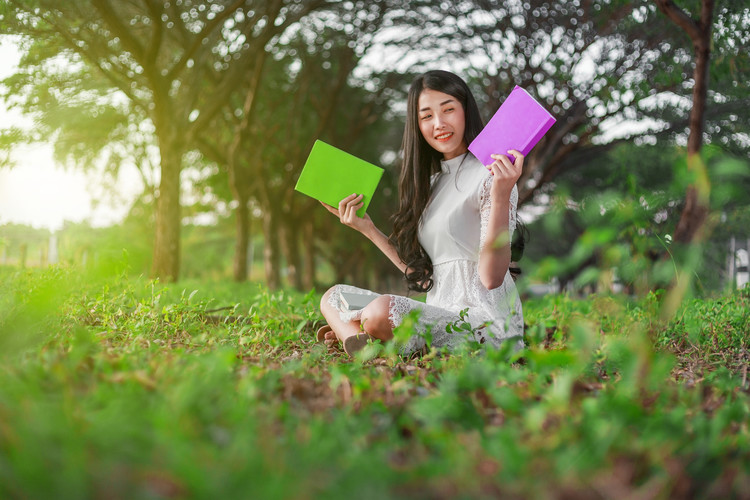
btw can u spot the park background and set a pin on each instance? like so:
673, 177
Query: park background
194, 118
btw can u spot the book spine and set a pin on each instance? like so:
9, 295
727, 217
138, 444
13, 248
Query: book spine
540, 130
537, 135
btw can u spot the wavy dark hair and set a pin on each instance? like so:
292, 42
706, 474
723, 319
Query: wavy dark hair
420, 161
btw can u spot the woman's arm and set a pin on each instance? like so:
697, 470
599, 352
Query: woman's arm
347, 214
494, 256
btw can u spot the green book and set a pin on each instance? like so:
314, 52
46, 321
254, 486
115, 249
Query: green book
330, 175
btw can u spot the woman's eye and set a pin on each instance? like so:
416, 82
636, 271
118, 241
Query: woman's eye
448, 110
426, 117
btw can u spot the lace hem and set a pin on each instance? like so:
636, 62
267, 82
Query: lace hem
432, 320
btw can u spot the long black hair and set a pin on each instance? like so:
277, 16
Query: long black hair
420, 161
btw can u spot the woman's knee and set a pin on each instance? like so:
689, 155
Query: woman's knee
324, 304
376, 318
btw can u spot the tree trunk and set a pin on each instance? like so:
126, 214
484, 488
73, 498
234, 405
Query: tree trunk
239, 175
696, 207
166, 262
291, 251
308, 236
242, 240
271, 259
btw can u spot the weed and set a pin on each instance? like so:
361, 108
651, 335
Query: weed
133, 388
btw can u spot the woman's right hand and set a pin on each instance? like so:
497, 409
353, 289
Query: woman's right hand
347, 212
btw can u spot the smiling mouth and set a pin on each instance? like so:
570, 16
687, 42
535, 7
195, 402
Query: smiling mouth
444, 137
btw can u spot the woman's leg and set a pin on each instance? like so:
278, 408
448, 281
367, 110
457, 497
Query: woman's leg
374, 324
353, 335
376, 318
340, 329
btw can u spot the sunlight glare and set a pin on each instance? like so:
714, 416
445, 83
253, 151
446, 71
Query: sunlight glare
37, 191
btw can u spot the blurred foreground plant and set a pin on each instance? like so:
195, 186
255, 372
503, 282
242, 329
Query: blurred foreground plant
140, 389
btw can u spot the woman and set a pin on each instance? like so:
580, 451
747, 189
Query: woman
451, 234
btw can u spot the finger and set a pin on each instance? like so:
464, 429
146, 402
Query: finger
517, 167
517, 154
347, 215
331, 209
518, 162
492, 167
356, 202
352, 214
504, 170
502, 160
347, 200
500, 170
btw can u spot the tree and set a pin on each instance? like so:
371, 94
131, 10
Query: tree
306, 91
616, 217
596, 65
696, 205
286, 107
176, 64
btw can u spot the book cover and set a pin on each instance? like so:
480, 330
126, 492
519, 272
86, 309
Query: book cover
519, 124
330, 175
356, 301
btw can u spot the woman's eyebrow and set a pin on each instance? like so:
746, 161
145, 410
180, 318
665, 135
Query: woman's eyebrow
441, 104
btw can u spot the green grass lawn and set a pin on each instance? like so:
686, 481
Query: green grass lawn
125, 388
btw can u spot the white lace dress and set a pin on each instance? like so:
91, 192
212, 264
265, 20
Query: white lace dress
452, 231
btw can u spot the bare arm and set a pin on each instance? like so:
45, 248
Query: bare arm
494, 256
347, 214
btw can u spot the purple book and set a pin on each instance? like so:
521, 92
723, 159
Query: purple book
519, 124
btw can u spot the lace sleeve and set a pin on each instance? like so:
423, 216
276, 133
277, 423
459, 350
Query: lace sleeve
485, 205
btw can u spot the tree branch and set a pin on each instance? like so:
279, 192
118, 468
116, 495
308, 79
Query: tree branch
155, 9
680, 18
180, 65
235, 75
94, 60
113, 20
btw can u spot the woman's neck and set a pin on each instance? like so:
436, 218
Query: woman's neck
461, 150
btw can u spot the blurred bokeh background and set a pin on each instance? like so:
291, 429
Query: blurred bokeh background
164, 138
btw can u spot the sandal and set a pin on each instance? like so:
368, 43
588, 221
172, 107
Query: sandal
321, 334
356, 343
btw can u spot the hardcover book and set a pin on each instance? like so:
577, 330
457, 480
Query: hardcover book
519, 124
330, 175
355, 301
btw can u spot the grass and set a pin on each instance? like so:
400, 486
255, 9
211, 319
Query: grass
126, 388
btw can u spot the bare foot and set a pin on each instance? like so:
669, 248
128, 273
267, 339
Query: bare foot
330, 338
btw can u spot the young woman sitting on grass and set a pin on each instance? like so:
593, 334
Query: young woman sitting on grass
451, 234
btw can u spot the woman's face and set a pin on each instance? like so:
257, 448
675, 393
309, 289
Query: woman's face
442, 122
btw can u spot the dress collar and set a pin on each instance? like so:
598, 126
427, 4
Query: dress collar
448, 166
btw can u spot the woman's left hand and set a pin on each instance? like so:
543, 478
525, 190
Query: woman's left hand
347, 213
505, 173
